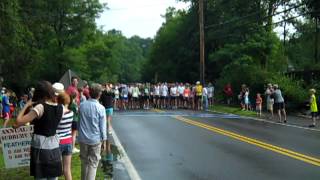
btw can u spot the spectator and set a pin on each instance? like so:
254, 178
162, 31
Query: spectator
86, 90
64, 134
279, 103
45, 155
259, 104
228, 93
73, 88
74, 107
107, 102
1, 107
210, 94
92, 132
6, 108
270, 99
313, 107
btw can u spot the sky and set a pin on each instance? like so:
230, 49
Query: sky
136, 17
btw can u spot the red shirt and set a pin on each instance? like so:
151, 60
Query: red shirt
73, 90
86, 93
258, 101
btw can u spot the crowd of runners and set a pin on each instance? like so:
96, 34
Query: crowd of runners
162, 96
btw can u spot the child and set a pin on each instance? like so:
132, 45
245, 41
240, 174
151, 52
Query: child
259, 104
313, 107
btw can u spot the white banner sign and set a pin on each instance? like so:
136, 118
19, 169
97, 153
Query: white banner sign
16, 145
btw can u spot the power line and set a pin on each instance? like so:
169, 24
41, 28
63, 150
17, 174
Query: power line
274, 23
252, 14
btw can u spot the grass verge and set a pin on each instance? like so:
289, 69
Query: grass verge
232, 110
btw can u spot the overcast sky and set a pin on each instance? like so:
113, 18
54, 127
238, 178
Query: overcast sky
136, 17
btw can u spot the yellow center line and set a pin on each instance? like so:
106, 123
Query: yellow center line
287, 152
158, 110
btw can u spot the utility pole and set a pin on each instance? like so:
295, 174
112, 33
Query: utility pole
316, 40
202, 66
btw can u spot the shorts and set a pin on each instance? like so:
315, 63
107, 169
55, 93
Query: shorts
74, 125
279, 106
314, 114
124, 98
109, 111
6, 115
146, 97
258, 107
198, 98
66, 149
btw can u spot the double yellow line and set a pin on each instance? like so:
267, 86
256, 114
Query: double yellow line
286, 152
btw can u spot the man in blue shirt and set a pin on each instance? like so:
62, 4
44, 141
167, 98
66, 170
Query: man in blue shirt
6, 108
92, 133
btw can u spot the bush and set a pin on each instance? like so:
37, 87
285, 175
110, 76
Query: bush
257, 79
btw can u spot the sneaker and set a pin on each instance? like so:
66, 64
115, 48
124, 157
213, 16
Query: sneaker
75, 150
312, 125
285, 121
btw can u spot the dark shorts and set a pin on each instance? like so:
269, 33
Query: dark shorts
124, 98
74, 125
66, 149
314, 114
198, 98
146, 97
278, 106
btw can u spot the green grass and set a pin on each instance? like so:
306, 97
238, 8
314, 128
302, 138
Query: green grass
232, 110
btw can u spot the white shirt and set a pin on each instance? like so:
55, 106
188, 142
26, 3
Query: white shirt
157, 90
164, 90
181, 89
173, 91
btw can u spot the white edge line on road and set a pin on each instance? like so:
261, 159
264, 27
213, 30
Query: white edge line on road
272, 122
133, 174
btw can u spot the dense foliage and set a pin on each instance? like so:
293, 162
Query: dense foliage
41, 39
241, 44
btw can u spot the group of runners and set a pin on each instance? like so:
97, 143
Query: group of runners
162, 96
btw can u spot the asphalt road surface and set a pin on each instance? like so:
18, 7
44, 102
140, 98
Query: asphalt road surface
186, 145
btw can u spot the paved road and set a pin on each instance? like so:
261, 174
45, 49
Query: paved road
196, 145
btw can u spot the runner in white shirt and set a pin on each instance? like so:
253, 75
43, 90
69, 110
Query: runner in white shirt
164, 95
210, 94
181, 88
157, 95
135, 97
174, 95
205, 98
